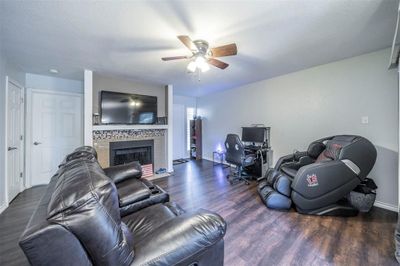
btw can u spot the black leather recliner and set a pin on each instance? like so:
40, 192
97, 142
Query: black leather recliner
134, 193
317, 181
78, 222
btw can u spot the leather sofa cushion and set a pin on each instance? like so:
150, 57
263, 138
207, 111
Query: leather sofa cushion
85, 201
146, 220
132, 190
185, 236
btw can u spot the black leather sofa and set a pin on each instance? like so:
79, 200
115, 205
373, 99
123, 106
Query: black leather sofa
134, 193
78, 222
318, 181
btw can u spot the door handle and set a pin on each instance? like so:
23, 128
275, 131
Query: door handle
37, 143
12, 148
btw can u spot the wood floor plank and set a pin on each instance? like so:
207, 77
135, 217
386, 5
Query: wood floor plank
260, 236
256, 235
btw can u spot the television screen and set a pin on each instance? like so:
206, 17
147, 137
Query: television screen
253, 134
123, 108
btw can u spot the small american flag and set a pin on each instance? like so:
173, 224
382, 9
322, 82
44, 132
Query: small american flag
147, 170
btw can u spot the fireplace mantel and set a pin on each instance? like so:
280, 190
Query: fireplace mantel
127, 127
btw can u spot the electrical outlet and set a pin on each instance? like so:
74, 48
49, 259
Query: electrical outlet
364, 120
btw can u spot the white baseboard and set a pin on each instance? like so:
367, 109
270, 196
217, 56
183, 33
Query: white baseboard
3, 207
386, 206
211, 160
207, 158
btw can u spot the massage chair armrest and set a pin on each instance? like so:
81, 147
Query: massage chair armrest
284, 159
294, 157
180, 239
319, 179
119, 173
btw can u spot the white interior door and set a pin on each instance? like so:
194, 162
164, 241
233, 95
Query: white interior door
179, 139
56, 130
15, 145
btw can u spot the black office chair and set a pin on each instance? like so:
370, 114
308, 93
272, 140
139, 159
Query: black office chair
235, 154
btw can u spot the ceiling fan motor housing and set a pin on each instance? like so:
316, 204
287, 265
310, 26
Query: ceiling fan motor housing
202, 46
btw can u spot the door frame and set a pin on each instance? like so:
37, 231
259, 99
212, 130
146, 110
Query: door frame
23, 125
28, 126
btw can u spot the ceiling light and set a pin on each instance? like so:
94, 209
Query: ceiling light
200, 60
199, 63
135, 103
192, 66
204, 67
53, 71
202, 64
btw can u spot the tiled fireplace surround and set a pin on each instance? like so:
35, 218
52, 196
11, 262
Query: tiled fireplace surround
103, 138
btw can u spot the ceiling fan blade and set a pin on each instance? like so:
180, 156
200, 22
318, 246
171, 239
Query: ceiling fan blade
217, 63
225, 50
174, 58
187, 42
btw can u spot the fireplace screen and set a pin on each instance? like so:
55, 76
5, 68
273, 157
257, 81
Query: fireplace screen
122, 152
141, 154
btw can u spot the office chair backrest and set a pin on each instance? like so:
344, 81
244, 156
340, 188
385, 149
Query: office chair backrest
234, 150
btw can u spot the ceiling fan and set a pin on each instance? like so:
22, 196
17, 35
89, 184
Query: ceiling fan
203, 56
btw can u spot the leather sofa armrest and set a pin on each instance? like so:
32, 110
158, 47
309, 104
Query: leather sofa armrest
180, 239
123, 172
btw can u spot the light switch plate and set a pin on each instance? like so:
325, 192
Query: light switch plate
364, 120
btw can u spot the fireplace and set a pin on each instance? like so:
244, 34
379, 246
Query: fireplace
122, 152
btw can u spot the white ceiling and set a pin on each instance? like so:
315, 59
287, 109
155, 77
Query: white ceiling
128, 38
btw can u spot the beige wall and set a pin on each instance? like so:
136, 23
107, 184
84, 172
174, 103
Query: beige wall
106, 83
321, 101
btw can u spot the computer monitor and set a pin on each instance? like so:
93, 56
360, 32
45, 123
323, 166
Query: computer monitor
253, 134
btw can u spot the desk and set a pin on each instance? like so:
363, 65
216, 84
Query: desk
263, 159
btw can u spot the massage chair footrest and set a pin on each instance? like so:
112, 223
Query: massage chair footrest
341, 208
273, 199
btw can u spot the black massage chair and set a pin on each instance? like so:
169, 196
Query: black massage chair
319, 181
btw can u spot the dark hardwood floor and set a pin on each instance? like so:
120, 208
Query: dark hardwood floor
255, 234
12, 223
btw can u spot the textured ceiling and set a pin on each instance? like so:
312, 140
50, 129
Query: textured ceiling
128, 38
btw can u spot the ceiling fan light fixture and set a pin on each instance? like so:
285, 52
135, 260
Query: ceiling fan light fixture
202, 64
203, 56
199, 63
200, 60
204, 67
192, 66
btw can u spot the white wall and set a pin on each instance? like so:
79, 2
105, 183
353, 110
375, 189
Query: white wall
6, 69
106, 83
321, 101
53, 83
187, 102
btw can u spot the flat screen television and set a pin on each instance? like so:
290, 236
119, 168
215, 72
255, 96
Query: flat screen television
124, 108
